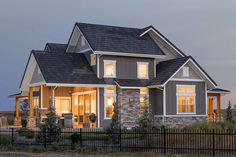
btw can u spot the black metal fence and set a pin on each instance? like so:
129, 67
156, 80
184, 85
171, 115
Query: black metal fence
177, 141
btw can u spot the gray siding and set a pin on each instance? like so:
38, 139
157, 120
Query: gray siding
126, 67
36, 76
103, 122
192, 74
156, 101
171, 102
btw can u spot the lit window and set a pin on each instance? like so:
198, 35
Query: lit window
143, 98
142, 70
110, 98
62, 105
186, 98
185, 71
36, 102
93, 59
109, 68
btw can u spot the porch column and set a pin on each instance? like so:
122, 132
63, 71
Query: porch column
218, 108
17, 121
31, 110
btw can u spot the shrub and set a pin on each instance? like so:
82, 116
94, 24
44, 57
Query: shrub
5, 139
75, 138
26, 132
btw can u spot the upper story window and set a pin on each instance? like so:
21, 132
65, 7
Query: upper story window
185, 71
93, 59
186, 99
142, 70
109, 68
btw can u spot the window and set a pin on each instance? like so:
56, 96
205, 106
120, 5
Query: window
142, 70
143, 98
93, 59
185, 71
109, 68
36, 101
185, 99
110, 99
62, 105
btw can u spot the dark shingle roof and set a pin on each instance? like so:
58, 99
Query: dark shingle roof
70, 68
132, 82
219, 90
55, 47
118, 39
166, 69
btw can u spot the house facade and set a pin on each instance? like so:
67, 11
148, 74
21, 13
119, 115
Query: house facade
102, 65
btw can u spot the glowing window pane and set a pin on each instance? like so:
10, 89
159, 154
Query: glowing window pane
181, 90
142, 70
109, 106
110, 90
109, 69
190, 90
143, 90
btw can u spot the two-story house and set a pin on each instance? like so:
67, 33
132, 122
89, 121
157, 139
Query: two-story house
102, 65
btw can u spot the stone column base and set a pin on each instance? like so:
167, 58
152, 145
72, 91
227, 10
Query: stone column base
31, 123
17, 121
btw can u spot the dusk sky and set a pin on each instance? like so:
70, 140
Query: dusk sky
204, 29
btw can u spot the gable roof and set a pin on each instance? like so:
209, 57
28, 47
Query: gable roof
71, 68
166, 69
55, 47
118, 39
151, 28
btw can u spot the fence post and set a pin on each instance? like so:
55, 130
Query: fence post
120, 141
213, 142
12, 136
45, 138
80, 136
164, 141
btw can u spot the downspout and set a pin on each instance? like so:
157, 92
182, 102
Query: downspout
53, 96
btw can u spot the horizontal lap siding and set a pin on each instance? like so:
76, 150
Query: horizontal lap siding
156, 101
171, 100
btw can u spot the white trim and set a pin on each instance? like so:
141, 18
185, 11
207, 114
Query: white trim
187, 115
108, 95
77, 85
196, 67
126, 87
98, 66
162, 39
147, 68
37, 84
129, 54
41, 96
98, 107
155, 73
183, 79
164, 105
185, 95
85, 50
206, 98
104, 69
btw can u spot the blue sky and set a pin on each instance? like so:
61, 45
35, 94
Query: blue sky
204, 29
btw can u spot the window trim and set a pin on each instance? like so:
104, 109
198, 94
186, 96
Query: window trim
185, 95
105, 104
147, 68
104, 71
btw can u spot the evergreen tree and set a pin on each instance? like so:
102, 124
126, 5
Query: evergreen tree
146, 119
24, 107
229, 116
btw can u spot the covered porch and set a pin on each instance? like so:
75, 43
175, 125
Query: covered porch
73, 105
214, 104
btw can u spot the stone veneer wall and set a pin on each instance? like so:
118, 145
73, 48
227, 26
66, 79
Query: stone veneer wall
128, 104
178, 122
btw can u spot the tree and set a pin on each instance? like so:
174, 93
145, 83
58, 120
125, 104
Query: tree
229, 116
51, 127
146, 119
113, 131
24, 107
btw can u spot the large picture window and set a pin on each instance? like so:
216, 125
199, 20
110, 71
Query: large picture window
142, 70
62, 105
110, 68
186, 99
110, 98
